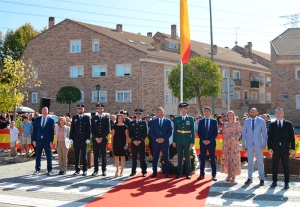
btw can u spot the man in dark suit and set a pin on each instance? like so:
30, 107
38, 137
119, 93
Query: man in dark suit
100, 129
161, 131
138, 134
281, 144
42, 138
208, 131
80, 135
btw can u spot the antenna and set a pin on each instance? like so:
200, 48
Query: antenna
236, 28
294, 20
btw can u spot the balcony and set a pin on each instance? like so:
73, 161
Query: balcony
238, 82
254, 84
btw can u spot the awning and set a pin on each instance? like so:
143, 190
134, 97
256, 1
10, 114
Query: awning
256, 76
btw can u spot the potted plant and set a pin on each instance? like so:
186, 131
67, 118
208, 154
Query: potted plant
90, 156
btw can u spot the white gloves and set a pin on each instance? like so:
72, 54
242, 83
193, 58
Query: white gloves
71, 141
87, 141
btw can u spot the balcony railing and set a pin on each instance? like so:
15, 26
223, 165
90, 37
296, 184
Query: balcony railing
238, 82
254, 84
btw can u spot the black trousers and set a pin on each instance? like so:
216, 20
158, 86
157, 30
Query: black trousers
99, 148
80, 147
141, 149
284, 156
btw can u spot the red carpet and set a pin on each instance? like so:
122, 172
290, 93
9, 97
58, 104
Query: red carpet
159, 191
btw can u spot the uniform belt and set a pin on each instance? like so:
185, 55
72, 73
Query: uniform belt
184, 131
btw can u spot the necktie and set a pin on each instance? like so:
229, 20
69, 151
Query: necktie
183, 118
206, 127
160, 122
43, 124
279, 124
253, 124
80, 117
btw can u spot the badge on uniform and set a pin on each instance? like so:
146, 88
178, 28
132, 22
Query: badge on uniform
96, 120
187, 123
75, 119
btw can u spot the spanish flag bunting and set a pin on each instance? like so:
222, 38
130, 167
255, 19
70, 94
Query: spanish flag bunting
185, 42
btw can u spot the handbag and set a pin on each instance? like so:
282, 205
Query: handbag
67, 143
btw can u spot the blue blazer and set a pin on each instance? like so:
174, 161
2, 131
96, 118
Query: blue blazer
164, 132
47, 132
258, 137
212, 131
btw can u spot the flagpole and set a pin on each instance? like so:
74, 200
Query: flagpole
181, 81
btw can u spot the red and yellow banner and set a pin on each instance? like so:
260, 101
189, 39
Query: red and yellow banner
185, 41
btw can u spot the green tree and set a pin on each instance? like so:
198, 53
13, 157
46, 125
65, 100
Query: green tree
16, 78
201, 78
68, 95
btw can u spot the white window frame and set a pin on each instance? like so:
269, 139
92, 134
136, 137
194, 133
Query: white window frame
238, 94
167, 97
123, 101
167, 70
75, 42
192, 101
100, 96
174, 99
225, 73
268, 97
103, 68
236, 72
126, 69
174, 46
296, 73
95, 45
82, 97
252, 93
298, 101
35, 74
36, 99
262, 96
80, 71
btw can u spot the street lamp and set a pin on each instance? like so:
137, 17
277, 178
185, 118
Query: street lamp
98, 89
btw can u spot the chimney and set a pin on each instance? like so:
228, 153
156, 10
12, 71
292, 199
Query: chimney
247, 51
149, 34
157, 44
250, 47
173, 31
119, 27
215, 49
51, 22
254, 58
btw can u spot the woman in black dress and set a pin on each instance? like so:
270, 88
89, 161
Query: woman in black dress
120, 137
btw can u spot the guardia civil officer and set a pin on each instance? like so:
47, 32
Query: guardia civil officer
138, 134
100, 129
183, 139
80, 135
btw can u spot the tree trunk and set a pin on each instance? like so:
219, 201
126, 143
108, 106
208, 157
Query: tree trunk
200, 106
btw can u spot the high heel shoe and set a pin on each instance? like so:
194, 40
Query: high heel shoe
121, 174
228, 178
117, 174
233, 179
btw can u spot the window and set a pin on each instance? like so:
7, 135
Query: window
174, 99
123, 96
167, 98
34, 97
173, 46
268, 97
123, 70
268, 79
100, 96
236, 75
262, 96
237, 95
167, 72
297, 73
99, 70
225, 73
192, 101
297, 101
76, 72
82, 98
35, 74
95, 45
75, 46
253, 96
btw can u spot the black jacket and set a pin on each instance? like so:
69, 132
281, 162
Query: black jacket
80, 128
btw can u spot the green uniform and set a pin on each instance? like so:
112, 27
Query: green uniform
184, 135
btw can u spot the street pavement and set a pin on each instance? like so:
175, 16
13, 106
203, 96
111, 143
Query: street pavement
18, 187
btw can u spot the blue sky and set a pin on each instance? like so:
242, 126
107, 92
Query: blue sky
255, 21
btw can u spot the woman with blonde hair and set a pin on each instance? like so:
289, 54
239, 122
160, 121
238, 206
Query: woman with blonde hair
231, 160
119, 142
62, 132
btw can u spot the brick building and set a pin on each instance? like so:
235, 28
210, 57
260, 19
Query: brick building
131, 69
285, 67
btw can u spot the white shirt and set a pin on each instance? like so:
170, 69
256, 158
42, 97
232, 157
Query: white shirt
13, 134
43, 119
183, 117
208, 122
281, 122
137, 121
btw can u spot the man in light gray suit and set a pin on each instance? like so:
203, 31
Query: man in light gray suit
254, 140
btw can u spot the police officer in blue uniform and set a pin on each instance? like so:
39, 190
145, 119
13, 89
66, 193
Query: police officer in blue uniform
80, 135
100, 129
138, 134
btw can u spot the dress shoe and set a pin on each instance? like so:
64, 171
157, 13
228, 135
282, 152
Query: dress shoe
144, 174
248, 181
153, 175
214, 178
76, 173
262, 183
61, 172
50, 173
168, 175
104, 173
188, 177
95, 173
36, 172
84, 173
201, 177
286, 186
178, 176
273, 185
132, 174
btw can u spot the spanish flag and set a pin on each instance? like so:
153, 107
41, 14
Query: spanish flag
185, 42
